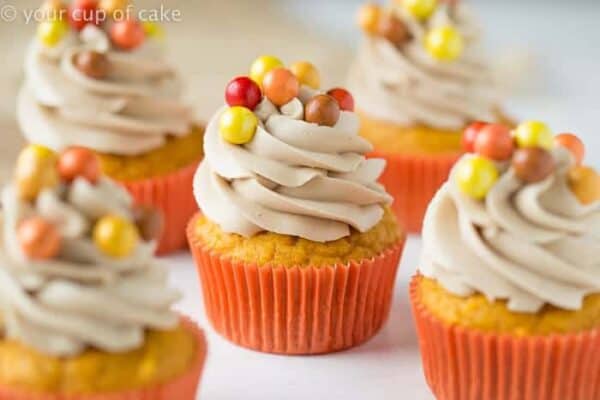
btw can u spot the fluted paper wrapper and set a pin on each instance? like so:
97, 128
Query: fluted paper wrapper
465, 364
307, 310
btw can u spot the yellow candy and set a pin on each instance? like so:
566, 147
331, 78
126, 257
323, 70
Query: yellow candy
307, 74
115, 236
50, 33
153, 30
534, 134
262, 66
36, 170
238, 125
368, 18
585, 184
420, 9
475, 176
111, 6
444, 43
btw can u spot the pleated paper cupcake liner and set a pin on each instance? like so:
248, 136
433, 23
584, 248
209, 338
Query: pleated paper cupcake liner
466, 364
173, 195
413, 180
183, 387
307, 310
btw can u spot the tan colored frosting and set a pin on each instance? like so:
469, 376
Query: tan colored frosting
529, 244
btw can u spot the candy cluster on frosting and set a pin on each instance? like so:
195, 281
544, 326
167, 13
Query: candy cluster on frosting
284, 157
77, 265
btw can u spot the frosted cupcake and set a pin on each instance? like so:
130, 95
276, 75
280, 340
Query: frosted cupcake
507, 304
296, 246
419, 79
105, 85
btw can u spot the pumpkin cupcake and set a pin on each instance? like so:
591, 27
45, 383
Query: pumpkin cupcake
85, 308
103, 84
507, 303
296, 245
419, 79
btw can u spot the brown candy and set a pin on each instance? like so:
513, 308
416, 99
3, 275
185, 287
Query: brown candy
149, 221
393, 29
322, 110
93, 64
533, 164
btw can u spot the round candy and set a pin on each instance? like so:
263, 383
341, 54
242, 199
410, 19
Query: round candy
78, 162
307, 74
115, 236
243, 91
420, 9
127, 34
83, 12
322, 110
343, 97
281, 86
263, 65
495, 141
533, 164
53, 10
111, 6
585, 184
93, 64
39, 239
150, 222
393, 29
36, 170
368, 18
573, 144
470, 134
50, 33
534, 134
475, 176
444, 43
238, 125
154, 30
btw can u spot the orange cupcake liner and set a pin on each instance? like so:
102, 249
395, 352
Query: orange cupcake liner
413, 180
183, 387
173, 195
308, 310
466, 364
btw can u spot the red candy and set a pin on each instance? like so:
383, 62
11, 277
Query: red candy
127, 34
83, 12
495, 142
343, 97
470, 134
243, 91
79, 162
573, 144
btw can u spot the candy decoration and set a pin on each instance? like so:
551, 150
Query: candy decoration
533, 164
238, 125
263, 65
51, 32
585, 184
393, 29
420, 9
573, 144
243, 91
307, 74
534, 134
475, 176
38, 239
93, 64
150, 222
112, 6
128, 34
368, 18
36, 170
280, 86
115, 236
444, 43
495, 141
153, 30
78, 162
322, 110
470, 134
53, 10
343, 97
83, 12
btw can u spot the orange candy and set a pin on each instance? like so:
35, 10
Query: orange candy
281, 86
494, 141
79, 162
573, 144
128, 34
585, 184
39, 239
368, 18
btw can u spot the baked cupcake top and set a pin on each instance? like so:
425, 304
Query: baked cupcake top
421, 65
518, 220
286, 158
77, 259
103, 84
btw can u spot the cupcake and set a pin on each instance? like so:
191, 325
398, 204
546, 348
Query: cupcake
85, 310
419, 79
507, 302
296, 246
104, 84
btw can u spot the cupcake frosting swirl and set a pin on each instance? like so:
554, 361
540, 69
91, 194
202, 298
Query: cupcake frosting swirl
132, 111
295, 177
530, 244
406, 86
